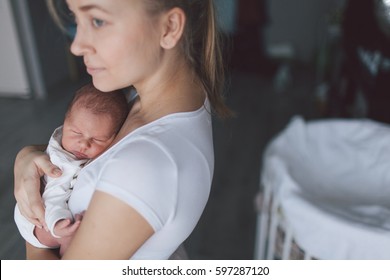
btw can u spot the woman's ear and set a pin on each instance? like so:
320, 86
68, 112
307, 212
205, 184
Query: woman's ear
173, 26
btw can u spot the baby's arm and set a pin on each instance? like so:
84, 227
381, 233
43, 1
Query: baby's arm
67, 230
63, 228
33, 253
55, 196
45, 238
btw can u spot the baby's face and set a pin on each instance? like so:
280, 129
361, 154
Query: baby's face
86, 135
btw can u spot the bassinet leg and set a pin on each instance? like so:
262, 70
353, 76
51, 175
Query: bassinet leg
287, 244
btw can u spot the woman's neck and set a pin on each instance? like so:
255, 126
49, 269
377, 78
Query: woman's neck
176, 92
171, 90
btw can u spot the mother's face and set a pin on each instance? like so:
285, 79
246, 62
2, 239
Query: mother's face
118, 41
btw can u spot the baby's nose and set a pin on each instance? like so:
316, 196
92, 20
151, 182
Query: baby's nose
85, 144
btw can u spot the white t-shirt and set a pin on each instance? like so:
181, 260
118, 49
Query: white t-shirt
163, 170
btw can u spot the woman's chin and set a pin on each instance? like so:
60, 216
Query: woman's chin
106, 85
103, 86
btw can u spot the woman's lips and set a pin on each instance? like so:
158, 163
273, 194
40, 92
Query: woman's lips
93, 70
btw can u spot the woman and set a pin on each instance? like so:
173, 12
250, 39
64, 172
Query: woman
146, 193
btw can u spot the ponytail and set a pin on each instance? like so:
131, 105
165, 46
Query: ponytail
212, 68
202, 47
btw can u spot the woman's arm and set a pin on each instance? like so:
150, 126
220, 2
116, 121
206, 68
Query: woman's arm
31, 164
33, 253
111, 229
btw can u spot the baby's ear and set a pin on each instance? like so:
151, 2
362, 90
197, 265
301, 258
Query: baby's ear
173, 26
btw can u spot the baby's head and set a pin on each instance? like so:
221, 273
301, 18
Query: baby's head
92, 120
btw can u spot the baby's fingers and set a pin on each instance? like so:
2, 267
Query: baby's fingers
63, 223
73, 228
79, 217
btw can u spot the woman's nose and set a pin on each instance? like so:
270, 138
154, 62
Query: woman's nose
80, 45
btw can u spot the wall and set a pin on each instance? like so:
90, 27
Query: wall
13, 76
51, 45
34, 53
299, 23
226, 13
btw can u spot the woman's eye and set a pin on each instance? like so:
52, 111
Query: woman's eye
97, 22
76, 132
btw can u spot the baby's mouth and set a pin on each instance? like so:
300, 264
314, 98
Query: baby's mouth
79, 155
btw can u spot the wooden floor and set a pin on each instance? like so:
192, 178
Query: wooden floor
227, 227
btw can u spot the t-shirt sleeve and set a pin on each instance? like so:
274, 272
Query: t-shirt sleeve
144, 176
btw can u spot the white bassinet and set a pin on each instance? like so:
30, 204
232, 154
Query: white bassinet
325, 192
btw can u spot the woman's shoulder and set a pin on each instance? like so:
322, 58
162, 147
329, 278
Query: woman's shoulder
166, 133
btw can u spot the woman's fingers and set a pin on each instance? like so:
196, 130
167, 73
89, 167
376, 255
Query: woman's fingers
30, 165
38, 211
28, 196
31, 206
44, 166
34, 216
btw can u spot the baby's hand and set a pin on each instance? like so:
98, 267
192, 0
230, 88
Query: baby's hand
65, 228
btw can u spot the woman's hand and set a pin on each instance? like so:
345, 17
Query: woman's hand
31, 164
